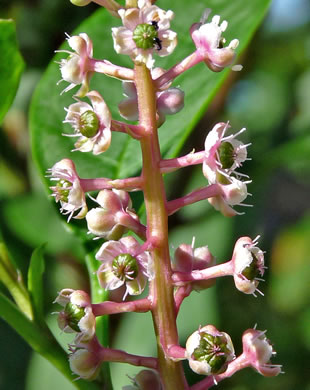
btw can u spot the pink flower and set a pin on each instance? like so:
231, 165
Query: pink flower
108, 220
248, 265
223, 154
210, 43
209, 351
68, 190
77, 315
76, 68
122, 263
258, 352
145, 30
91, 123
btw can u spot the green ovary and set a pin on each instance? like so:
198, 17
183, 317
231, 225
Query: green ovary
213, 350
226, 155
252, 271
125, 267
63, 189
89, 124
74, 315
144, 36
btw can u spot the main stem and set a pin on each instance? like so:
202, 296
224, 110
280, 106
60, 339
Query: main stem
161, 288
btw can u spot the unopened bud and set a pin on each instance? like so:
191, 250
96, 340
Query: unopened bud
171, 101
80, 3
103, 221
145, 380
84, 363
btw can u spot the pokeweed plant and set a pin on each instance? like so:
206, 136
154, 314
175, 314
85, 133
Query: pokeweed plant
141, 260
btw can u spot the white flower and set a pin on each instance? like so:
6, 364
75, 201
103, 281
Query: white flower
232, 194
123, 264
91, 123
76, 69
258, 351
68, 190
145, 30
77, 315
209, 351
223, 154
210, 43
248, 265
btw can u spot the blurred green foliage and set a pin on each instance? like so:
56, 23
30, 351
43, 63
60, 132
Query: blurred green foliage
271, 98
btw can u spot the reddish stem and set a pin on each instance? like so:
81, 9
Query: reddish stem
170, 165
129, 184
236, 365
109, 307
103, 66
188, 62
225, 269
193, 197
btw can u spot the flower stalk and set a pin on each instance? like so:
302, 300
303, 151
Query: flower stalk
161, 289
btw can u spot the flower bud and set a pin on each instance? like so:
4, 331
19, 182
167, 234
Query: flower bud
104, 221
84, 363
145, 380
80, 3
77, 315
258, 351
188, 259
248, 265
209, 351
171, 101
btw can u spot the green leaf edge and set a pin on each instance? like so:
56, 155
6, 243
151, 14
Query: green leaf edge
20, 65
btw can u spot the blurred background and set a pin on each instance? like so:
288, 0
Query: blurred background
271, 98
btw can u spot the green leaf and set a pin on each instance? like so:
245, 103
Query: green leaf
11, 277
200, 85
11, 65
35, 280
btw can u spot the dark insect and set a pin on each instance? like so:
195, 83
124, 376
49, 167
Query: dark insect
154, 24
157, 41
